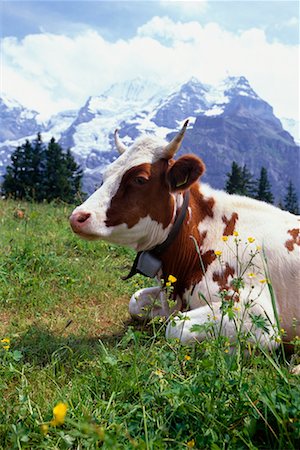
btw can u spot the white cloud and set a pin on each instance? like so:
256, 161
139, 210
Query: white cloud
51, 72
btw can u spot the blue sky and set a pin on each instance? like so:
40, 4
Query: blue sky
120, 19
55, 54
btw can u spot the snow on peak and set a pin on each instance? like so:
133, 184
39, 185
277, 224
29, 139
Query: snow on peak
238, 86
10, 102
220, 95
136, 90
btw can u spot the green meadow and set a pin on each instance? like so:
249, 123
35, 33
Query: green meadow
77, 373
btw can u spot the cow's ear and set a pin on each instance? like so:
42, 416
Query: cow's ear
184, 172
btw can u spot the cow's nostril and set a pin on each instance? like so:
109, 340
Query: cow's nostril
82, 217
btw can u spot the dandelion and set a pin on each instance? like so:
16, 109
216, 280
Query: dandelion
191, 443
251, 275
235, 233
172, 279
59, 414
44, 428
168, 284
5, 343
159, 373
227, 344
187, 357
251, 240
218, 252
224, 238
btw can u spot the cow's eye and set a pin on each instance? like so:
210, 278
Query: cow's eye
140, 180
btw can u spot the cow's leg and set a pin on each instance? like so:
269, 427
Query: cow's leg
148, 303
215, 323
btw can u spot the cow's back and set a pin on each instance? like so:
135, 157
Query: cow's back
274, 235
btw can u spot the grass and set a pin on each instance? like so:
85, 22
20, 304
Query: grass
64, 308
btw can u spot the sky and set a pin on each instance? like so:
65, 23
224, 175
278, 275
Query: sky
54, 55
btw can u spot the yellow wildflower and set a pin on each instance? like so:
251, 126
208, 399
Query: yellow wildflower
44, 428
168, 284
237, 308
251, 275
5, 343
191, 443
258, 248
282, 330
235, 233
59, 414
226, 350
159, 373
278, 339
224, 238
218, 252
251, 239
187, 357
265, 280
172, 279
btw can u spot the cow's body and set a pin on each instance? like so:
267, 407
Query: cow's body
137, 206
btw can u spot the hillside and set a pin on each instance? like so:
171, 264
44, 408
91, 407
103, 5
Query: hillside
66, 342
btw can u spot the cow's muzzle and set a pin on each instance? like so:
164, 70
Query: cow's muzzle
79, 220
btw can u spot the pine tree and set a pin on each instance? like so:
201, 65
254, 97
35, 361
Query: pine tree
62, 174
74, 175
37, 169
54, 177
247, 182
239, 180
234, 183
263, 187
291, 200
16, 178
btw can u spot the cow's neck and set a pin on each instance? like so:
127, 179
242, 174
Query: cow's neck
182, 258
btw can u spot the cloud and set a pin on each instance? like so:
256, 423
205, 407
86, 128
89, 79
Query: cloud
51, 72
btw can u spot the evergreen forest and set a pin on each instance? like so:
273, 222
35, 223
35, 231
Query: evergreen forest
40, 171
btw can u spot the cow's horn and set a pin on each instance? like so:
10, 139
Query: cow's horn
174, 145
120, 147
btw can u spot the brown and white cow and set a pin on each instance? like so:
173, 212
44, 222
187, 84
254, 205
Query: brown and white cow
137, 205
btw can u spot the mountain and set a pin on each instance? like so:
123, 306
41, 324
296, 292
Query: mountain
227, 122
17, 121
242, 127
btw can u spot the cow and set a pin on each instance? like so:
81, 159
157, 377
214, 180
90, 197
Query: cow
221, 249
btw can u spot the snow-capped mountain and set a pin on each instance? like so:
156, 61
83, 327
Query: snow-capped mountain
17, 121
227, 122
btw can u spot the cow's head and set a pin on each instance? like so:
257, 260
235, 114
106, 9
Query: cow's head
137, 201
